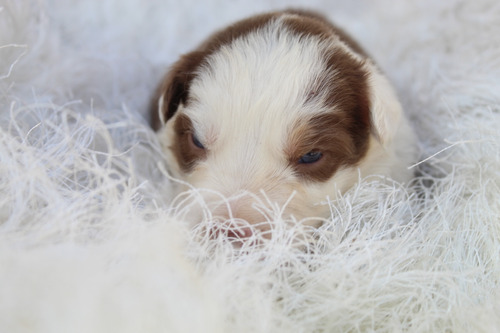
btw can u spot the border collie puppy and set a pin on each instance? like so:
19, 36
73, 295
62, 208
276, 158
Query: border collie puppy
279, 103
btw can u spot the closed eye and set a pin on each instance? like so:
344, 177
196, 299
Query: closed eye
311, 157
196, 141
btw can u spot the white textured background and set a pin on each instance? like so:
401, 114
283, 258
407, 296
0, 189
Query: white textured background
89, 242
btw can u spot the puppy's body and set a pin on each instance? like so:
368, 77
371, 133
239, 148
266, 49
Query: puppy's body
280, 103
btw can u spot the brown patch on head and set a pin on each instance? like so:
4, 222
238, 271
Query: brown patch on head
183, 147
235, 31
330, 135
311, 23
341, 135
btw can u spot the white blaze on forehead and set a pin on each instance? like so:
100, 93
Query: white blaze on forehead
252, 90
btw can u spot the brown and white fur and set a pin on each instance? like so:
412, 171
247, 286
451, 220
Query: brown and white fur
239, 113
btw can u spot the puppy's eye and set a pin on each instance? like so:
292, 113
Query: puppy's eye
311, 157
197, 142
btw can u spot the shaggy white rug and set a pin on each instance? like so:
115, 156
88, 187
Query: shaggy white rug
90, 243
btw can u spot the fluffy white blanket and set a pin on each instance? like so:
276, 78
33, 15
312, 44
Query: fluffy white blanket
90, 243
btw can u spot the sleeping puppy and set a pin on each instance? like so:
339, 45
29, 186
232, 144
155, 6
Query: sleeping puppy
284, 106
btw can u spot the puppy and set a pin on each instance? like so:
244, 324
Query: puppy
283, 106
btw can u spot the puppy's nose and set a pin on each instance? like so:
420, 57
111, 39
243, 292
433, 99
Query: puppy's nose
239, 220
233, 231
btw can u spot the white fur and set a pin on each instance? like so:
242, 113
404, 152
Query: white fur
89, 240
247, 100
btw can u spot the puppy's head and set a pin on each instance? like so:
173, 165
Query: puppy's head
281, 104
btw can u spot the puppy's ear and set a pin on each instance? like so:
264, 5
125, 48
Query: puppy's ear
174, 89
386, 111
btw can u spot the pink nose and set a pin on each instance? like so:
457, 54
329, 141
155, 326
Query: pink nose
239, 221
233, 232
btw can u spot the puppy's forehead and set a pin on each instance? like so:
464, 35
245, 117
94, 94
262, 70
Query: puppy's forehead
265, 74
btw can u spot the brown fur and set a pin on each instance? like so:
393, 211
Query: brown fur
316, 24
330, 134
186, 152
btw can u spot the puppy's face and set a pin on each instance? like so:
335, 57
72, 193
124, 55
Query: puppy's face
281, 104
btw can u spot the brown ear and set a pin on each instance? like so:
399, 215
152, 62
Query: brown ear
174, 89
